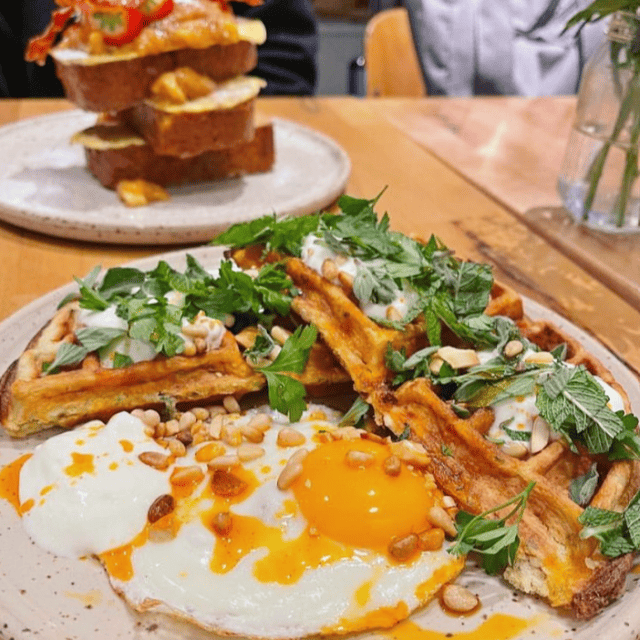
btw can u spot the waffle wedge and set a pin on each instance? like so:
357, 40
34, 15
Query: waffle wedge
553, 561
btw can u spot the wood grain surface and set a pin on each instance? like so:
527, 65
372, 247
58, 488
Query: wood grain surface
434, 182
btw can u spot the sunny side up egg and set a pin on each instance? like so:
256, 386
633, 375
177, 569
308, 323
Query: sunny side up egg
283, 539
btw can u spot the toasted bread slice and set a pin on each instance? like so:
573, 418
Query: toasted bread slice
221, 119
114, 153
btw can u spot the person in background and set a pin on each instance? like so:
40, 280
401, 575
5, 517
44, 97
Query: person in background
287, 60
501, 47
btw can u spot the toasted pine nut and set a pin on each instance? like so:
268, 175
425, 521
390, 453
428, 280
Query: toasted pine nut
358, 459
161, 506
177, 448
227, 485
393, 314
438, 517
539, 357
392, 466
431, 539
329, 269
458, 358
151, 417
224, 462
279, 334
222, 523
209, 451
189, 348
154, 459
187, 419
195, 330
514, 449
171, 427
260, 421
248, 451
540, 434
231, 404
513, 348
435, 365
138, 413
410, 453
200, 413
402, 549
346, 280
182, 476
292, 469
185, 436
230, 434
448, 502
252, 434
459, 599
161, 430
288, 437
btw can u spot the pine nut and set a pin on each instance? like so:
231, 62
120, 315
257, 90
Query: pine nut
458, 358
393, 314
513, 348
431, 539
459, 599
292, 470
209, 451
222, 523
187, 419
138, 413
252, 434
189, 348
448, 502
171, 427
346, 280
224, 462
231, 404
249, 451
225, 484
435, 365
161, 506
182, 476
260, 421
195, 330
288, 437
438, 517
154, 459
230, 434
329, 269
215, 426
402, 549
177, 448
200, 413
280, 334
185, 436
161, 430
410, 453
539, 357
359, 459
514, 449
540, 434
392, 466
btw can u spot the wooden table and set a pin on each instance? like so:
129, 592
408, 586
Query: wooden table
468, 170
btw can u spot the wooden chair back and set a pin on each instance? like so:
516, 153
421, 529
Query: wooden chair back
391, 61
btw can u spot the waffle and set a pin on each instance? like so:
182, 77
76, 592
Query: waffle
553, 562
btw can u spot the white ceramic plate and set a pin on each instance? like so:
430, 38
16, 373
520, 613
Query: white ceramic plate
43, 597
46, 187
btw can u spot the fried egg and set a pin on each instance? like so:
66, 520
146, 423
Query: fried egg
273, 531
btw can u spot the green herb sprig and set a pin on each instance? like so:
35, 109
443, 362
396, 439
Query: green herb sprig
493, 539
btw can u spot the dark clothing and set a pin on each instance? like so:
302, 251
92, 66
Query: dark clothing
287, 60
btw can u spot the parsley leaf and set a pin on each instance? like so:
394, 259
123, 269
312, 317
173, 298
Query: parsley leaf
286, 394
495, 541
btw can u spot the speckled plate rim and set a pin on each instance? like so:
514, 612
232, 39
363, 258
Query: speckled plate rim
48, 598
45, 187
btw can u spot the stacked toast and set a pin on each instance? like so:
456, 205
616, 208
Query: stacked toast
167, 79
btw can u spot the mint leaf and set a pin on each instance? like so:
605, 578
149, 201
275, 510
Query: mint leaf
121, 360
94, 338
583, 488
356, 413
68, 354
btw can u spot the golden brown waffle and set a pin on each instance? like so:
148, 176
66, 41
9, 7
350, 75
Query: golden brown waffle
553, 561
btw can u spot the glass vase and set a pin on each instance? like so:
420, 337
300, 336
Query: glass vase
598, 181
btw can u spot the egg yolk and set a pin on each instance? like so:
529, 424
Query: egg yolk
361, 505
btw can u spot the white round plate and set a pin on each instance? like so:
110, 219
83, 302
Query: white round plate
43, 597
46, 187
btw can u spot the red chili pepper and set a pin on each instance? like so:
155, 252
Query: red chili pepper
38, 48
155, 9
119, 22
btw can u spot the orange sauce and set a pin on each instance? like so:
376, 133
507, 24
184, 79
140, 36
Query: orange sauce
10, 481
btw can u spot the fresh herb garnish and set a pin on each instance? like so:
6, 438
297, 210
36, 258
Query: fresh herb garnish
493, 539
583, 488
286, 394
356, 413
68, 354
617, 532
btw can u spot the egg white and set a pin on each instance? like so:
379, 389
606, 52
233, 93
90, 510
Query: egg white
106, 507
